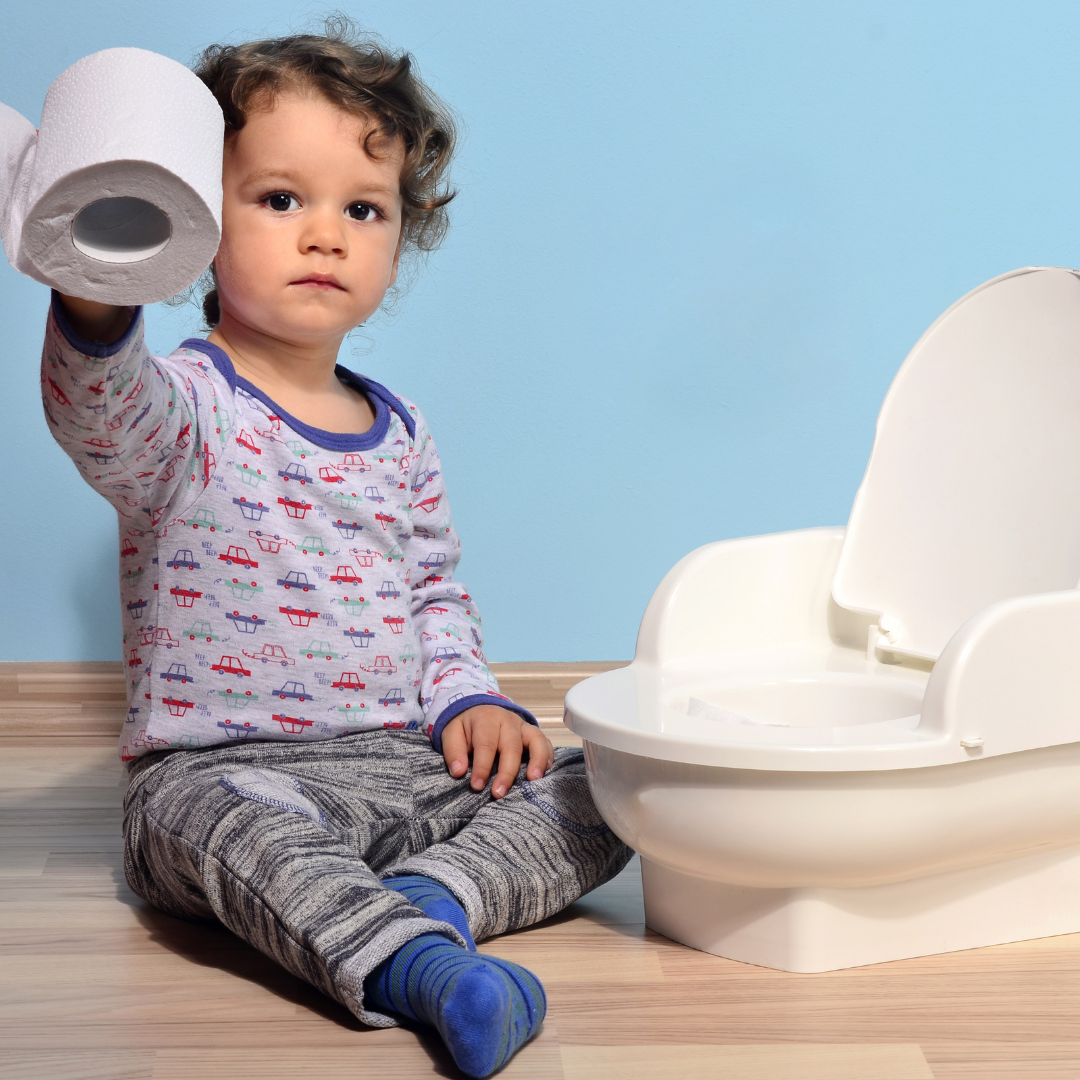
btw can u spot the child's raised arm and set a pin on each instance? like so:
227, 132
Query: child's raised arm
136, 427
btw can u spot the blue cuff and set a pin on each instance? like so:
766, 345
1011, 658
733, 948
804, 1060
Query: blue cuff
455, 708
96, 349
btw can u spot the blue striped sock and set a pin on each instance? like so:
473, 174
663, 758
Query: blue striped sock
434, 900
484, 1009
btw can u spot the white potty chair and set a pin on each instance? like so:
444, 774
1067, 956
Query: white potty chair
837, 747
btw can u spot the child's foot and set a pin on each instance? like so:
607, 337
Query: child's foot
434, 900
484, 1009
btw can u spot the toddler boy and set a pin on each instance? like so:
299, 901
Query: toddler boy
298, 651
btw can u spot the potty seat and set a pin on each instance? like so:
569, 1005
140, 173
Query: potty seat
813, 716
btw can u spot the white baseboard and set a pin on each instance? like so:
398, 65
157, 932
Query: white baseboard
85, 699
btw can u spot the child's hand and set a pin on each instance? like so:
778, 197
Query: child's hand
96, 322
487, 730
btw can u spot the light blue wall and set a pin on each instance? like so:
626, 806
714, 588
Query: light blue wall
694, 241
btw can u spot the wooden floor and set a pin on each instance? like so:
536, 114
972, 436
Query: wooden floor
96, 984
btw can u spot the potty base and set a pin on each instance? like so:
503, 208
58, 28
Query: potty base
819, 929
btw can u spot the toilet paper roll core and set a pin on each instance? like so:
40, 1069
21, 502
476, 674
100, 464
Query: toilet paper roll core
120, 230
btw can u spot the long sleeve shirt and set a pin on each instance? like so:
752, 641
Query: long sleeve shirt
277, 581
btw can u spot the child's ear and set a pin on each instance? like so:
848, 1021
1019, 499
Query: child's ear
394, 266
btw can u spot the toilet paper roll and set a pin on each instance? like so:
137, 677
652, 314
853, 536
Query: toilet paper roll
117, 197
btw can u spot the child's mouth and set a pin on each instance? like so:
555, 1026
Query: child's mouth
320, 281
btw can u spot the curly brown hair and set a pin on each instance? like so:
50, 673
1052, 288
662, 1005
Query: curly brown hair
361, 76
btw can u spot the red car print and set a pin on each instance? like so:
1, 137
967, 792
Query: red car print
293, 725
382, 666
230, 665
298, 617
295, 508
245, 440
272, 654
350, 680
353, 463
185, 597
347, 574
239, 555
439, 678
269, 543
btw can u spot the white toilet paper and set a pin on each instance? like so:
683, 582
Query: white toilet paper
118, 197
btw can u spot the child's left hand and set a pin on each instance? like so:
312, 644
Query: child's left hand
487, 730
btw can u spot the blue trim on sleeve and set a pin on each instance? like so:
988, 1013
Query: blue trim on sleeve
98, 349
457, 707
381, 398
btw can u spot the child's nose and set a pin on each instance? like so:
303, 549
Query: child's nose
323, 233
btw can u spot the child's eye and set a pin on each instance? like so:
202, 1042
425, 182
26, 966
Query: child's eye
362, 211
282, 201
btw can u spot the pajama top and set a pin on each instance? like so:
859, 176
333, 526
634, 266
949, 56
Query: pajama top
277, 581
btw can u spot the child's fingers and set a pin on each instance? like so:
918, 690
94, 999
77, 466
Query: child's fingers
541, 752
455, 748
485, 745
509, 758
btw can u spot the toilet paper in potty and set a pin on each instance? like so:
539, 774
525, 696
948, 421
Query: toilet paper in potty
117, 197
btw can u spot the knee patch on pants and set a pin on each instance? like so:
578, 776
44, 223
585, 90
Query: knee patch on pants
564, 797
273, 789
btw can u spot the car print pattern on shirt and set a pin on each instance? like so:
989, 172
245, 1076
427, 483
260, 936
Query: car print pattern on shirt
276, 581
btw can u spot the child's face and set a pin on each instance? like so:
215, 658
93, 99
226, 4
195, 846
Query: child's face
310, 223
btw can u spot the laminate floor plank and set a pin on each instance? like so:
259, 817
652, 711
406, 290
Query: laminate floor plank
78, 1065
807, 1061
976, 1060
97, 985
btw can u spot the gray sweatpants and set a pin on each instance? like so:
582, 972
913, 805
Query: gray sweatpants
286, 843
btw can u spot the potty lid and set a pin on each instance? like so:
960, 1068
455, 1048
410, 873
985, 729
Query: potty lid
972, 492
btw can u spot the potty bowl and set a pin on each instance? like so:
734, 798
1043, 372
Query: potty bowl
848, 745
